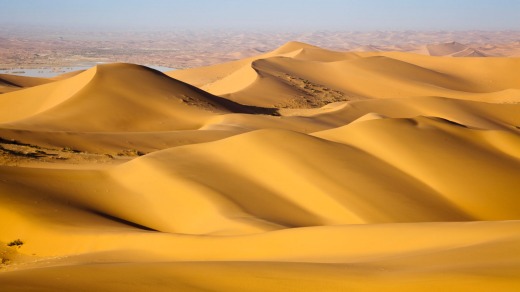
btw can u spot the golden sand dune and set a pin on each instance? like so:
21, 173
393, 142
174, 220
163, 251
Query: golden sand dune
10, 83
114, 94
305, 76
301, 169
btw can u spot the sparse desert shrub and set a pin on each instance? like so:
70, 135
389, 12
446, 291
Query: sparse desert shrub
16, 242
131, 152
69, 149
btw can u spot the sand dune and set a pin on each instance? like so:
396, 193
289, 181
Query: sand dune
114, 94
10, 83
453, 49
299, 169
445, 49
301, 77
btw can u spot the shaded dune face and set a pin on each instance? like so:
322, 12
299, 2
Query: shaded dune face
299, 169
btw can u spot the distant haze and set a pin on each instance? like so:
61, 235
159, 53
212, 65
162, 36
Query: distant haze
265, 14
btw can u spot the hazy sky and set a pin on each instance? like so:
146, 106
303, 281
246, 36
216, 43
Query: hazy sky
267, 14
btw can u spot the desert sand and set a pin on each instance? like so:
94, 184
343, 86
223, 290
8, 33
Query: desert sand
300, 169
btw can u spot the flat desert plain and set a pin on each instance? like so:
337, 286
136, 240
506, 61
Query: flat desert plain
301, 169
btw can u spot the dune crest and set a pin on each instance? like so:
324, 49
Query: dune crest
298, 169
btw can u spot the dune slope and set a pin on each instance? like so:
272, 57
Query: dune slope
114, 94
304, 76
10, 83
299, 169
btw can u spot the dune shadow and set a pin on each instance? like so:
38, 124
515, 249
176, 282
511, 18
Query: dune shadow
230, 105
444, 120
239, 108
120, 220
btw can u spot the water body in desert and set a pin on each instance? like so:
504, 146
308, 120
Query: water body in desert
55, 71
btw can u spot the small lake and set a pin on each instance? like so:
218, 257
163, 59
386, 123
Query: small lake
54, 71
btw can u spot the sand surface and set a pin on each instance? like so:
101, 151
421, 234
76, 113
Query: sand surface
300, 169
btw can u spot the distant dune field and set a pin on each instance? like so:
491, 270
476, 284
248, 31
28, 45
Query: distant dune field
300, 169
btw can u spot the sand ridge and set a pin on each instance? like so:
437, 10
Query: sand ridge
298, 169
10, 83
301, 77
